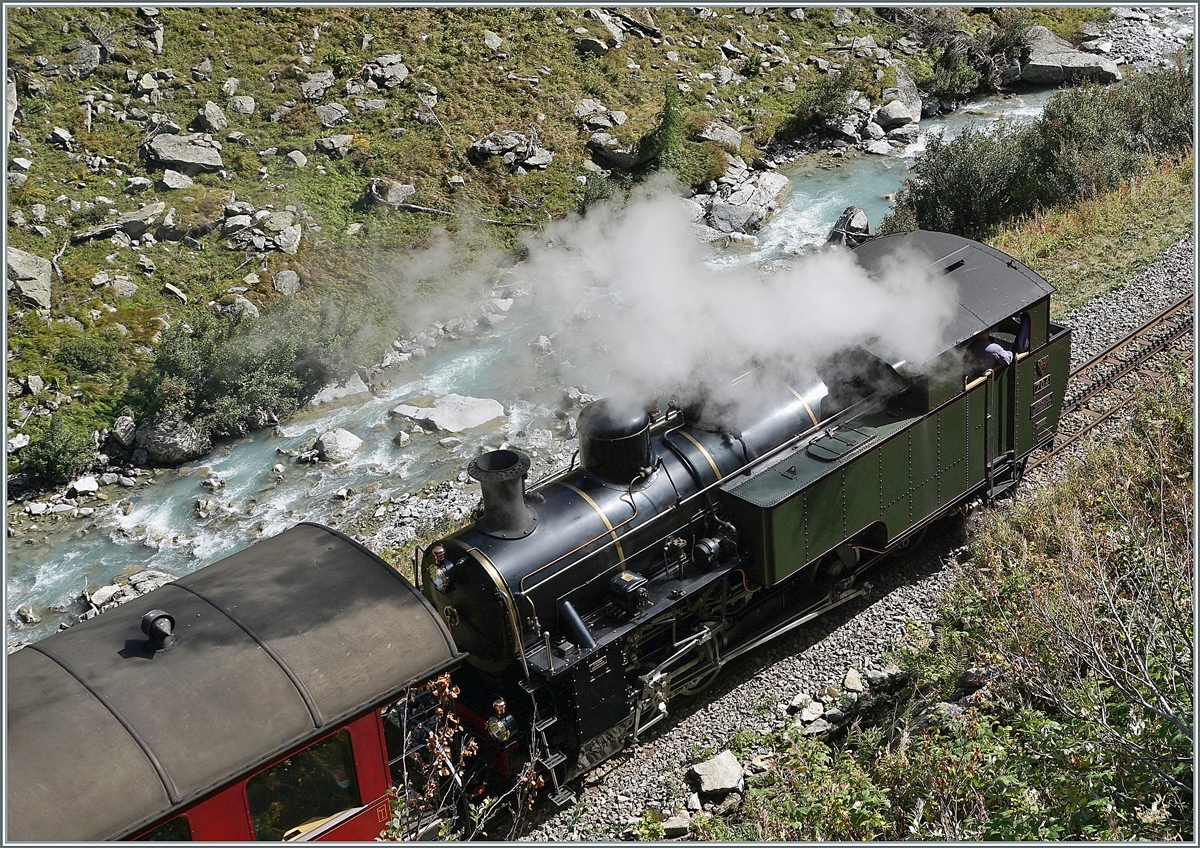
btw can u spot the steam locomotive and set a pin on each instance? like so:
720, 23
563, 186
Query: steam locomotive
572, 615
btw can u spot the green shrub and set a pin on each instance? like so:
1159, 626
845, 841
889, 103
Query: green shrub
953, 75
820, 98
62, 451
218, 371
1088, 140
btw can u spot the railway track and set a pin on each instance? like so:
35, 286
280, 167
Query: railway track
1097, 378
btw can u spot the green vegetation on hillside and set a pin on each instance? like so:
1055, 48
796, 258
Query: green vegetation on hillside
1078, 608
1088, 140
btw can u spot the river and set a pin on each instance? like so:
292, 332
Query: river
48, 562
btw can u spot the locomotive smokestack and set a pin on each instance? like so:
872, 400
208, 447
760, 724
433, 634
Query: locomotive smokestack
501, 474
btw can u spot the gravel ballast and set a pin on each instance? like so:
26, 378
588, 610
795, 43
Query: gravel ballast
754, 693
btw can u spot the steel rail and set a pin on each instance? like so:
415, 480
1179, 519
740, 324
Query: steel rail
1123, 368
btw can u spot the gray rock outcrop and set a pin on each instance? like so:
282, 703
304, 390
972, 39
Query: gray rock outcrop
453, 413
352, 387
171, 439
286, 282
188, 154
609, 148
389, 192
316, 85
388, 71
29, 275
515, 149
744, 207
1053, 61
722, 134
211, 118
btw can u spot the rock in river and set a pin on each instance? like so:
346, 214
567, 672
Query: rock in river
454, 413
337, 445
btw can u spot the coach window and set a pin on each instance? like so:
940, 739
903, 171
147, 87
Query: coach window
304, 791
175, 830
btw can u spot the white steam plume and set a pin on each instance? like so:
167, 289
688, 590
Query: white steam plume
634, 307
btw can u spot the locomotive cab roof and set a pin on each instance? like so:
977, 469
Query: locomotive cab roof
109, 730
990, 286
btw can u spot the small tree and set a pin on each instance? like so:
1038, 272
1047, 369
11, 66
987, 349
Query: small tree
662, 147
63, 450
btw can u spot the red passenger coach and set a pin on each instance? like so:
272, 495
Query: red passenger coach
257, 698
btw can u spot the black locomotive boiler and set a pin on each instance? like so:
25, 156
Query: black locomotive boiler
572, 615
686, 538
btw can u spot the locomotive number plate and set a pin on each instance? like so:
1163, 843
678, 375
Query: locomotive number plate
1041, 383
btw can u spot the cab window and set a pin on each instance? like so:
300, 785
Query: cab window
175, 830
304, 791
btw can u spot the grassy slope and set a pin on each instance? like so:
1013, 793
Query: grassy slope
1092, 247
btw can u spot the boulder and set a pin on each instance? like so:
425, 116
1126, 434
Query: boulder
906, 90
388, 70
491, 40
609, 148
515, 149
242, 104
337, 445
30, 276
748, 205
851, 229
211, 118
297, 158
453, 413
245, 307
316, 85
389, 192
340, 391
1053, 61
334, 145
853, 681
677, 825
187, 154
286, 282
719, 776
289, 240
170, 439
173, 180
591, 46
332, 114
721, 133
11, 105
87, 60
86, 485
892, 115
878, 147
123, 430
136, 223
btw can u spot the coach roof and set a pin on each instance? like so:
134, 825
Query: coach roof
276, 644
990, 285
